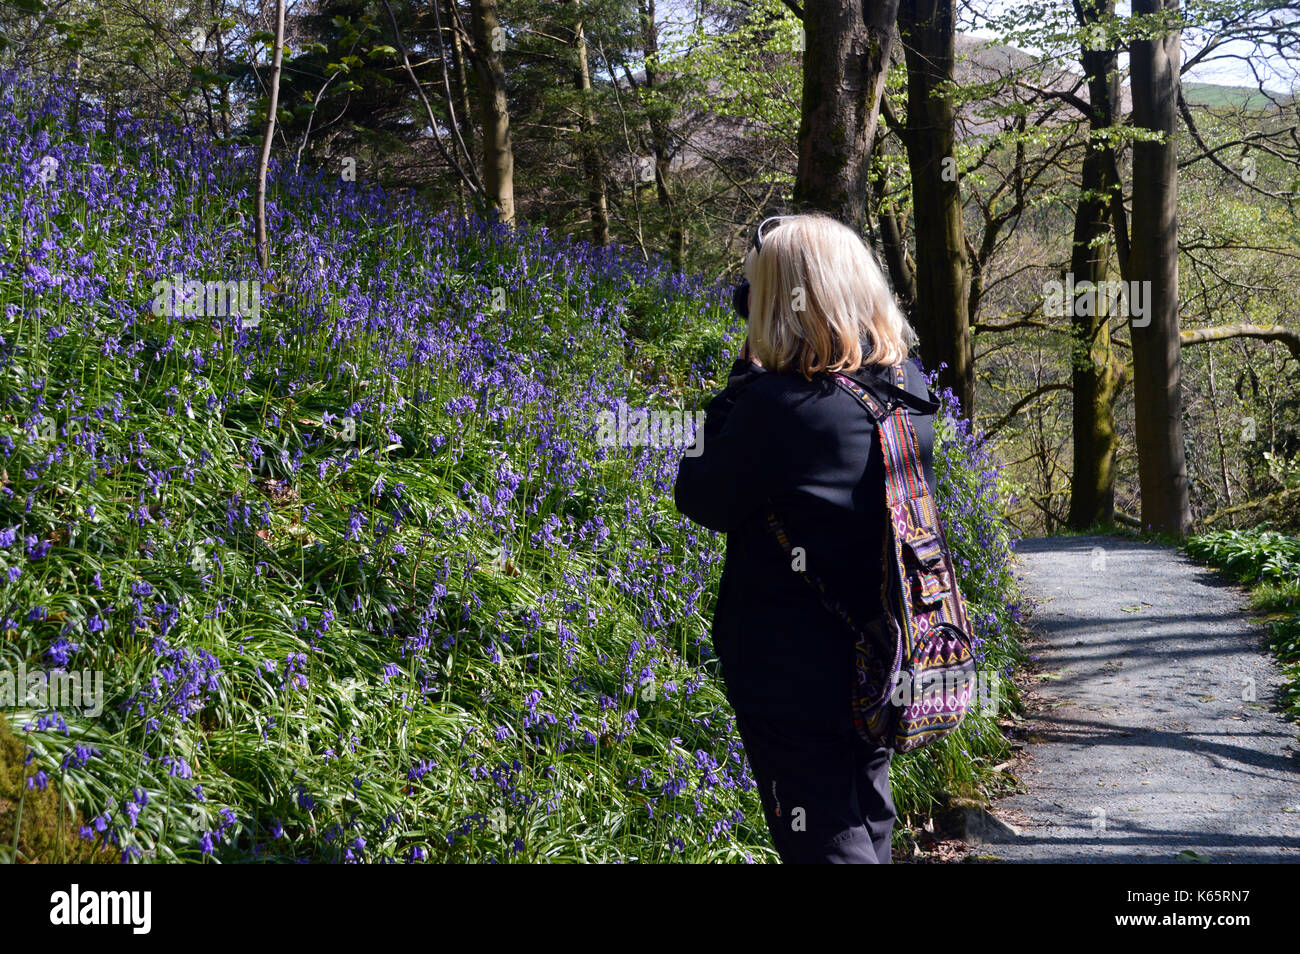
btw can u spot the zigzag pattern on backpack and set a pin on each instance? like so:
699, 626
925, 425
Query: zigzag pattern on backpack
915, 669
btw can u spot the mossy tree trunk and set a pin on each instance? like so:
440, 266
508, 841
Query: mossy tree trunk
657, 118
942, 273
893, 243
1096, 371
498, 149
597, 202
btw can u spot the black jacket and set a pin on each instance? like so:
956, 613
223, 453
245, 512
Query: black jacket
810, 448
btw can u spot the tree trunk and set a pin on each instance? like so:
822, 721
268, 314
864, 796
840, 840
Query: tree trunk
461, 91
1218, 433
219, 66
942, 273
273, 104
845, 64
659, 135
597, 203
1096, 370
1153, 262
498, 150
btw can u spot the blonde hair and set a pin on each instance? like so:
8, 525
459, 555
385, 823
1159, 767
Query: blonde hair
817, 296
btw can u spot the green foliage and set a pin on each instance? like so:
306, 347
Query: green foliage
1250, 556
1270, 562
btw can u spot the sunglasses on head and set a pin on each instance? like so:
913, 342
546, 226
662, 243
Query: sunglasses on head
758, 232
740, 297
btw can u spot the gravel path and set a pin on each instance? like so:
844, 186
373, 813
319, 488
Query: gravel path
1143, 742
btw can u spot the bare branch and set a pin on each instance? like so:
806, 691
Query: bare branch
471, 180
1186, 113
1287, 336
1019, 406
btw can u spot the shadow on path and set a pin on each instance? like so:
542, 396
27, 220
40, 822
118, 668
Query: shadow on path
1153, 729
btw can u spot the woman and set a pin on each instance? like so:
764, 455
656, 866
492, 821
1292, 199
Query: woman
783, 435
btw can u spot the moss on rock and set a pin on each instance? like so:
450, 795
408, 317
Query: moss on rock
42, 839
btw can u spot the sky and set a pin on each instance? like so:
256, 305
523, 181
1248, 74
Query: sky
1234, 64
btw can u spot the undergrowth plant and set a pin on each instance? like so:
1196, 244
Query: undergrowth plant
1268, 561
361, 581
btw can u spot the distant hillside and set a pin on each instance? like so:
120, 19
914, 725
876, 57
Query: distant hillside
982, 60
1212, 94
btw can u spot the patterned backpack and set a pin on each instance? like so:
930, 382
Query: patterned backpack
915, 669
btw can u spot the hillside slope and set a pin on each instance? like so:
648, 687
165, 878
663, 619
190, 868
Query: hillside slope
360, 580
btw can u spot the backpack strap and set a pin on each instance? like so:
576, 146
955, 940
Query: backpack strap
914, 519
885, 395
904, 475
888, 406
912, 513
831, 604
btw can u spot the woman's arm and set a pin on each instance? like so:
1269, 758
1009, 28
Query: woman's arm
733, 474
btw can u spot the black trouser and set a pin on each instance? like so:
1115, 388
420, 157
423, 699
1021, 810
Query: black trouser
825, 793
